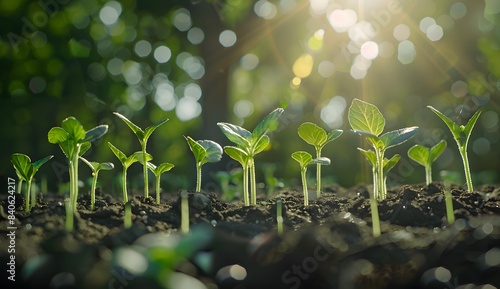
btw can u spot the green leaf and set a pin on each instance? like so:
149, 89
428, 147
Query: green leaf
57, 135
237, 154
370, 156
312, 134
22, 165
92, 165
213, 151
40, 162
389, 164
74, 128
454, 128
68, 147
136, 157
364, 116
321, 160
261, 144
437, 150
397, 137
137, 130
95, 133
420, 154
118, 153
236, 134
84, 147
268, 124
163, 168
333, 135
303, 158
150, 129
77, 49
470, 125
198, 150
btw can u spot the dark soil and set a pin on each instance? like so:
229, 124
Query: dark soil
328, 244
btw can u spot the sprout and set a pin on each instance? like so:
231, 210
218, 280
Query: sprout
204, 151
25, 171
426, 156
184, 212
158, 171
279, 216
96, 167
70, 214
143, 137
304, 159
127, 215
461, 134
317, 137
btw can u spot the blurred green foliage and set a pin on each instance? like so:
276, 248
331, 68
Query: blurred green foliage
151, 60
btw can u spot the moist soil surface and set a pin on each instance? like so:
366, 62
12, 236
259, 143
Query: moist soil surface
328, 244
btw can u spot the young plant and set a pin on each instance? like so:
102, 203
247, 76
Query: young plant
158, 171
126, 163
304, 159
74, 141
204, 151
461, 134
279, 216
96, 168
366, 119
184, 212
248, 145
143, 137
127, 216
25, 171
426, 156
70, 215
317, 137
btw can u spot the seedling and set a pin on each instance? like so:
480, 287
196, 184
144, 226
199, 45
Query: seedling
317, 137
25, 171
248, 145
184, 212
74, 141
366, 119
96, 168
142, 136
68, 226
127, 216
158, 171
126, 163
450, 213
304, 159
204, 151
279, 216
426, 156
461, 134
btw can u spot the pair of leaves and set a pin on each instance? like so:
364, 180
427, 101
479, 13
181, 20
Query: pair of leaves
366, 119
305, 159
388, 163
460, 133
96, 167
26, 170
253, 142
316, 136
142, 135
160, 169
128, 161
426, 156
204, 151
71, 134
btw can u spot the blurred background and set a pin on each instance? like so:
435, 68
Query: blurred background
199, 62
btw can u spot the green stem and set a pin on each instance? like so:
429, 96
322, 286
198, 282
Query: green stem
318, 175
184, 213
127, 218
450, 215
253, 183
279, 216
158, 180
69, 215
92, 190
465, 159
246, 197
19, 186
428, 175
198, 177
374, 213
381, 193
304, 186
75, 176
33, 196
28, 196
124, 185
145, 171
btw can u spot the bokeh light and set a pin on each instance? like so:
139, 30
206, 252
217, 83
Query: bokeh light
401, 32
182, 19
406, 52
227, 38
249, 61
342, 20
162, 54
265, 9
195, 35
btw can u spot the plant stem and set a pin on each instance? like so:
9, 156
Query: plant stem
69, 215
253, 183
198, 177
304, 186
375, 217
28, 195
158, 179
279, 216
75, 176
92, 190
450, 215
380, 194
145, 170
246, 197
127, 218
124, 184
33, 196
428, 175
465, 159
318, 175
19, 186
184, 212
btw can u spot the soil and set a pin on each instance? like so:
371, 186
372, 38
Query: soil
328, 244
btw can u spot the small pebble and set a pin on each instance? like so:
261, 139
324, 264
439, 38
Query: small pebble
142, 213
28, 226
